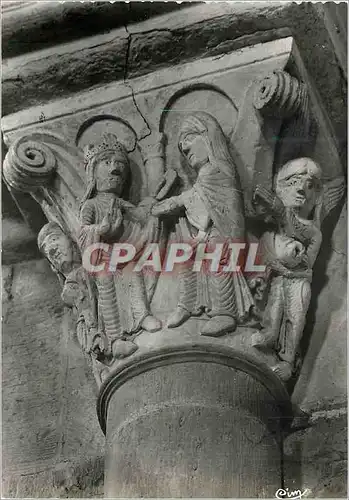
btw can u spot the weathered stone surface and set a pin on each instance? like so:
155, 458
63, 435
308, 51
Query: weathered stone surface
169, 438
323, 381
80, 479
336, 21
19, 242
316, 458
29, 27
28, 348
48, 400
201, 31
64, 70
252, 86
67, 429
212, 35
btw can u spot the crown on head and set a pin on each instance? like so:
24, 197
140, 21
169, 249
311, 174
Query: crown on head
109, 143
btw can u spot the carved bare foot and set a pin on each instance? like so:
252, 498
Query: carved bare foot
218, 326
123, 348
262, 341
283, 370
151, 324
178, 317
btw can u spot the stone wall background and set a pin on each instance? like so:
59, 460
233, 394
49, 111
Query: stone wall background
52, 443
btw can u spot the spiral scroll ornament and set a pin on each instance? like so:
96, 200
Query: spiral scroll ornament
29, 165
279, 94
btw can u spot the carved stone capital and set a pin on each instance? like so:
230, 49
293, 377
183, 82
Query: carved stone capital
247, 97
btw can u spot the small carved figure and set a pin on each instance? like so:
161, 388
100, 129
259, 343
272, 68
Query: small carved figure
212, 212
76, 294
60, 252
58, 249
106, 217
300, 203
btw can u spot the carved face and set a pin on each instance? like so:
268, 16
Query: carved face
111, 174
194, 148
298, 185
57, 249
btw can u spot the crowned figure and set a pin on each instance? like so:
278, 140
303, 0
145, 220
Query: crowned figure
105, 217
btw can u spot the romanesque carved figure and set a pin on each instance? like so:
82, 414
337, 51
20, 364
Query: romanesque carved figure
63, 256
212, 211
78, 294
59, 250
123, 307
298, 206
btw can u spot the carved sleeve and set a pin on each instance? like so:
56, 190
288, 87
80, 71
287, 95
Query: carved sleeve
264, 198
314, 246
87, 215
88, 231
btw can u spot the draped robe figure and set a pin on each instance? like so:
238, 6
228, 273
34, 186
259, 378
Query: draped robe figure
213, 213
123, 306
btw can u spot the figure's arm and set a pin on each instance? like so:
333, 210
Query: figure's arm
88, 233
168, 206
91, 232
165, 184
87, 214
282, 270
314, 245
309, 233
267, 200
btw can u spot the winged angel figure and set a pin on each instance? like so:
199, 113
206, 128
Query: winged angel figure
298, 206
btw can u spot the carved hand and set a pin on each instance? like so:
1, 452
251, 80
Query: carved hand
116, 223
165, 207
165, 184
304, 273
147, 203
104, 227
110, 224
293, 254
263, 196
258, 285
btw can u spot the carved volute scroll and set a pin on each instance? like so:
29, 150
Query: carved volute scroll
43, 164
29, 165
276, 112
245, 170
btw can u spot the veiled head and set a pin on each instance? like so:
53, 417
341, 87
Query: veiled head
202, 140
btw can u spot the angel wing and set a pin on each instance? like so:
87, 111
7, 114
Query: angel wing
331, 195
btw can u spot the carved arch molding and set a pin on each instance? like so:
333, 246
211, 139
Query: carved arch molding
268, 110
